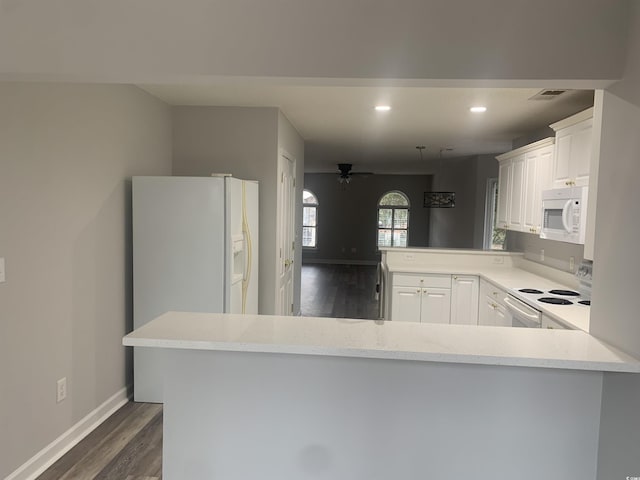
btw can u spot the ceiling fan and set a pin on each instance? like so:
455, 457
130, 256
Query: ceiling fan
345, 173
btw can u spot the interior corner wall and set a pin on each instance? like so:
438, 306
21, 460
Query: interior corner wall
242, 141
614, 313
290, 141
67, 154
347, 215
454, 227
556, 254
486, 168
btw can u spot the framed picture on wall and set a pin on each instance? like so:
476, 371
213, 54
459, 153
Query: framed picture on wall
439, 199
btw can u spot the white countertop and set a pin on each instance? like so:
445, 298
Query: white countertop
565, 349
507, 277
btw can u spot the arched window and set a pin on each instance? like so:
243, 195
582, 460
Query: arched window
309, 219
393, 220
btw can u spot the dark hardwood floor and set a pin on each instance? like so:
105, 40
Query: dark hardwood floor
128, 445
342, 291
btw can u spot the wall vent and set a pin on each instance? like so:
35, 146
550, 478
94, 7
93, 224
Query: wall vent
548, 94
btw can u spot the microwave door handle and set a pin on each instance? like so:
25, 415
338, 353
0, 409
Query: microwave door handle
566, 211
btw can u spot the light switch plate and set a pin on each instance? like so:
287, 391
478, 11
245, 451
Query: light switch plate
2, 276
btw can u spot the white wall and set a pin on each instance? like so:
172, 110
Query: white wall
243, 142
614, 314
66, 155
165, 40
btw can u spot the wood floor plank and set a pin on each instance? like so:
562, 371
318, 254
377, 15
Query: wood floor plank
94, 460
142, 455
90, 442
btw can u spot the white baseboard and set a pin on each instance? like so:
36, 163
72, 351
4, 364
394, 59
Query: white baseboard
65, 442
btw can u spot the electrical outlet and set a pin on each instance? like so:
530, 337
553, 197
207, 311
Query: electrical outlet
61, 390
542, 254
2, 274
498, 260
572, 264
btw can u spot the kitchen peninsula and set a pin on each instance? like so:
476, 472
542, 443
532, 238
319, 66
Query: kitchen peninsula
250, 396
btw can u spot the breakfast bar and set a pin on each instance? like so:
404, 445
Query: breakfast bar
251, 396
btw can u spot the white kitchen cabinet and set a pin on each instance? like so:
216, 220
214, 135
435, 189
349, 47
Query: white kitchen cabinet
436, 305
421, 298
523, 174
548, 322
572, 159
537, 177
464, 299
492, 311
406, 304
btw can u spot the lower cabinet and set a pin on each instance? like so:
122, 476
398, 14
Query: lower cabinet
464, 299
548, 322
435, 298
421, 298
492, 310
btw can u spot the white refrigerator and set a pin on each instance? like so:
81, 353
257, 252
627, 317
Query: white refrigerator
195, 248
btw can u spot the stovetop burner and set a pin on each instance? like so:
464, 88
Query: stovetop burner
555, 301
566, 293
530, 290
585, 302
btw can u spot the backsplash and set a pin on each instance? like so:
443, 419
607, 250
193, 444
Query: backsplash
556, 254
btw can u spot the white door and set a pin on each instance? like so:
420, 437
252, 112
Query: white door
436, 305
285, 234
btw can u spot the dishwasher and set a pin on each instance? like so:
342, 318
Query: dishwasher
522, 314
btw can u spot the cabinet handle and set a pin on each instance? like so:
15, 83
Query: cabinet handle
418, 291
455, 277
424, 291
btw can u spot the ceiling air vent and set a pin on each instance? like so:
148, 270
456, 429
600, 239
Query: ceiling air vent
548, 94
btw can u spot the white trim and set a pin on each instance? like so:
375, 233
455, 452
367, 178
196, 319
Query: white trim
545, 142
573, 119
46, 457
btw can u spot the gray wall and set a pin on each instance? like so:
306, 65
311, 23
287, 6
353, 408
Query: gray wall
614, 314
332, 39
67, 153
556, 254
348, 214
458, 227
243, 142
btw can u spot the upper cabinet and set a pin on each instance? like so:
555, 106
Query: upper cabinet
524, 173
572, 161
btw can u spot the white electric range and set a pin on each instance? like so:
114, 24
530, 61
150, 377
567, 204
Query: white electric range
527, 304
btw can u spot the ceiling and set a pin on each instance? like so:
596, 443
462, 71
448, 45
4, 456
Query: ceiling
339, 123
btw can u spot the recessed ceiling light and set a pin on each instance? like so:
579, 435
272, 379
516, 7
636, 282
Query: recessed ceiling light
383, 108
478, 109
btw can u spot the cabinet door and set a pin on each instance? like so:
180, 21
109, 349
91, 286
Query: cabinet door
464, 299
504, 193
515, 216
502, 316
538, 165
573, 155
405, 304
486, 311
581, 153
436, 305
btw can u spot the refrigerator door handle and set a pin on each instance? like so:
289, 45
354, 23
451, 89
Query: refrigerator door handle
246, 232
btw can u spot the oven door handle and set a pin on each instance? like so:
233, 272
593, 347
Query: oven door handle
514, 308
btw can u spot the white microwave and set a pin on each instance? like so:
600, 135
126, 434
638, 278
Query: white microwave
564, 214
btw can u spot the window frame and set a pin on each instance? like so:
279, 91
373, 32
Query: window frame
393, 209
315, 206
